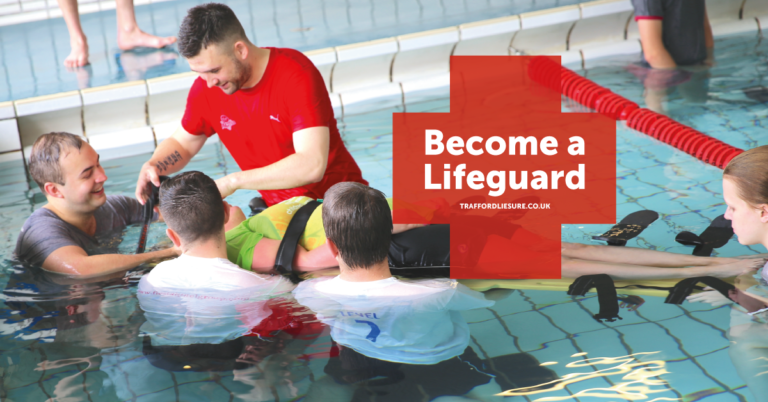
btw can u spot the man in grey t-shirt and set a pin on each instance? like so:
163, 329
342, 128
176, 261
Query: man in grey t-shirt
673, 32
62, 235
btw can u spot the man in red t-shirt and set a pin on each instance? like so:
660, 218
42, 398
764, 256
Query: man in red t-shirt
269, 107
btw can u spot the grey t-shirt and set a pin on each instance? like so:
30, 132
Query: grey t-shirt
682, 27
44, 232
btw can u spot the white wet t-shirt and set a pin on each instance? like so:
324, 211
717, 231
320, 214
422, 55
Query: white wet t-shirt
205, 300
209, 273
415, 322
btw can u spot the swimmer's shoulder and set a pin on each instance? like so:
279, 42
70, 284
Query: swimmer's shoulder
162, 274
40, 215
45, 224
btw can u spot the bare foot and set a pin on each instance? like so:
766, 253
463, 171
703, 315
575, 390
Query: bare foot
78, 57
127, 40
735, 268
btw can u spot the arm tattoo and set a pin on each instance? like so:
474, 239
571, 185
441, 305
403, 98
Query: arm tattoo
170, 160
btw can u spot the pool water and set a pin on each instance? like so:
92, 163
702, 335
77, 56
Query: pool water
32, 54
84, 341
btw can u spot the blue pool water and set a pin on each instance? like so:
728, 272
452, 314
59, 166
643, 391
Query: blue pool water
83, 342
32, 54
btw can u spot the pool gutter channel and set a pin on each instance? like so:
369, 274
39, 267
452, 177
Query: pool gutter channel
132, 118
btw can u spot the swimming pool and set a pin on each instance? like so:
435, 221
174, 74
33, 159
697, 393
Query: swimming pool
32, 53
660, 352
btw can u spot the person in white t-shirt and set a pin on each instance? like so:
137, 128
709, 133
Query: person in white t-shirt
381, 317
195, 213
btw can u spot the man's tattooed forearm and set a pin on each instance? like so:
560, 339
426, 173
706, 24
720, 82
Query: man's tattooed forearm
171, 160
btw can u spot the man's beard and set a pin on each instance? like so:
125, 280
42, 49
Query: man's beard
243, 73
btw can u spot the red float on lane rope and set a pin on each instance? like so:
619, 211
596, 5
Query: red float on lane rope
586, 92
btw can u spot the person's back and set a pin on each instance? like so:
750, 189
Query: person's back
192, 207
415, 322
370, 310
380, 318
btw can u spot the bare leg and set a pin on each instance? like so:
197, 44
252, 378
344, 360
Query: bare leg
78, 57
750, 256
573, 268
129, 35
632, 255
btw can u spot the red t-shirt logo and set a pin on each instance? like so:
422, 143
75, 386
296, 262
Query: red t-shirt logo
227, 123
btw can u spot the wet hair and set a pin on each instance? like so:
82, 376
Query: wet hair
208, 24
749, 171
358, 220
44, 166
191, 205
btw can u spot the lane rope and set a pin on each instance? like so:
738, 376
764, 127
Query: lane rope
596, 97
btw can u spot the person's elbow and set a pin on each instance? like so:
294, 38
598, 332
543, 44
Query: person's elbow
316, 176
316, 170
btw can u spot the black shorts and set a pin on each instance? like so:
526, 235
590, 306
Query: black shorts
426, 251
389, 381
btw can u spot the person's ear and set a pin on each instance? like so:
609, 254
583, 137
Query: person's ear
53, 190
174, 237
763, 212
334, 250
241, 50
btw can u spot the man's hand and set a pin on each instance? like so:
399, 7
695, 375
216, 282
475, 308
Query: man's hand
226, 186
170, 156
306, 166
148, 174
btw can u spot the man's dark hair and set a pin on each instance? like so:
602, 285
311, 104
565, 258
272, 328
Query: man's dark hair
208, 24
191, 205
44, 166
358, 220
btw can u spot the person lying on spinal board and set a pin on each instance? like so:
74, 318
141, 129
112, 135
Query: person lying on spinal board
253, 243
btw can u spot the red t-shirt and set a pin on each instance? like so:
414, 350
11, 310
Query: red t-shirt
257, 124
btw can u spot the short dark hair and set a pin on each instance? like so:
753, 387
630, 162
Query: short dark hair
191, 205
358, 220
44, 166
207, 24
